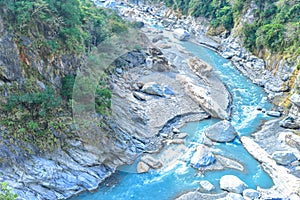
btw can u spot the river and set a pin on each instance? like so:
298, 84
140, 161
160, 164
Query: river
180, 177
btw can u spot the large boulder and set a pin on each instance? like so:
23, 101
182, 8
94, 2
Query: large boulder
284, 157
202, 157
233, 184
181, 34
153, 89
222, 131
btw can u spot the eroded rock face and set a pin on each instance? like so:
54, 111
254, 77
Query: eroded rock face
10, 69
222, 131
233, 184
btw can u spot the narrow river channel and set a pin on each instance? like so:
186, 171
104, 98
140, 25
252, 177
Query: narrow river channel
180, 178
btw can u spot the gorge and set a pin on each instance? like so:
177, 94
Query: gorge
156, 93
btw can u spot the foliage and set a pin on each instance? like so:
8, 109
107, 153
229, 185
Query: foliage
6, 192
277, 27
218, 11
67, 87
66, 25
34, 117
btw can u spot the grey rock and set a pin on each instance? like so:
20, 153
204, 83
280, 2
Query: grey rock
234, 196
206, 185
181, 34
295, 98
233, 184
119, 70
157, 38
153, 163
181, 135
139, 96
284, 157
222, 131
251, 194
153, 89
273, 113
202, 157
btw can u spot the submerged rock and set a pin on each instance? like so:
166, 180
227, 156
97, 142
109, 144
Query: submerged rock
222, 131
142, 167
153, 89
202, 157
284, 157
206, 185
232, 183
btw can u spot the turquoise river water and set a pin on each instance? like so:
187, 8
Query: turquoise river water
177, 179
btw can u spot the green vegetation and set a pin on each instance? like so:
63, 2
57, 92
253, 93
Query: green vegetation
219, 12
68, 25
40, 115
6, 192
277, 27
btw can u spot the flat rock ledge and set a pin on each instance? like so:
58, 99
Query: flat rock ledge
285, 183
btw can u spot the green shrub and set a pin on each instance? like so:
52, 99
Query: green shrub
6, 192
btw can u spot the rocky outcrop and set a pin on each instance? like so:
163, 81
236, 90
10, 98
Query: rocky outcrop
222, 131
10, 69
216, 107
232, 184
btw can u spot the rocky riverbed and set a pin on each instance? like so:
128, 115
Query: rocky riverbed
286, 152
154, 90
